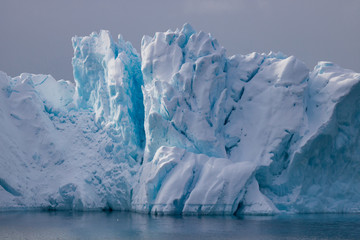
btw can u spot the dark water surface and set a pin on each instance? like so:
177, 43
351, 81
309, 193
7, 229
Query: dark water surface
119, 225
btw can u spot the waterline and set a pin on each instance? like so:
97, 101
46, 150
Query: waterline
124, 225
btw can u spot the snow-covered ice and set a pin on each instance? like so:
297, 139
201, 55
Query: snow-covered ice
183, 129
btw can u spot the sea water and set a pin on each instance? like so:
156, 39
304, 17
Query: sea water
124, 225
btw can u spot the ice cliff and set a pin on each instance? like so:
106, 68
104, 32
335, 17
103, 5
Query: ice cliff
182, 130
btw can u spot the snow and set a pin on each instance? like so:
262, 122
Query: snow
184, 129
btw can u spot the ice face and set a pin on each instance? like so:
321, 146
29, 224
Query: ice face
55, 156
108, 81
74, 147
184, 130
319, 173
261, 112
219, 109
184, 92
181, 182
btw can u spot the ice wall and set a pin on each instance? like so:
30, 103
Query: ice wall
74, 147
184, 92
320, 173
108, 80
253, 120
184, 130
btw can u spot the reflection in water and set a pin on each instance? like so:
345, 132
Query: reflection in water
120, 225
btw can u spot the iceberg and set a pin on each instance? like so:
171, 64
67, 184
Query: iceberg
76, 146
183, 129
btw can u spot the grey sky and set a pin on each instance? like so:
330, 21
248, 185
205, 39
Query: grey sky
35, 35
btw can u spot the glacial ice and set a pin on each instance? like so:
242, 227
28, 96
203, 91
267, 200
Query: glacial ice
74, 147
184, 129
108, 80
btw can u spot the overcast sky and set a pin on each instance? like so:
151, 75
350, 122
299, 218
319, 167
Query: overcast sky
35, 35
